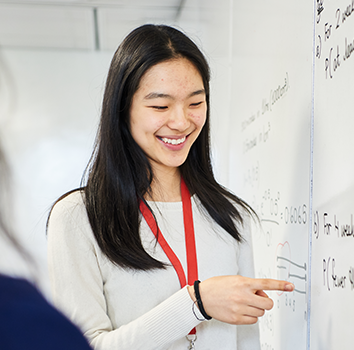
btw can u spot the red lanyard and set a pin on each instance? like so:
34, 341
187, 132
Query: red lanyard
192, 265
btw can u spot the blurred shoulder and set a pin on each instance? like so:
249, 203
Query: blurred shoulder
23, 307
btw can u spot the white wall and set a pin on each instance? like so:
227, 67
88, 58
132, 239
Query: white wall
48, 129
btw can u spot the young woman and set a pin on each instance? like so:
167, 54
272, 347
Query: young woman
127, 251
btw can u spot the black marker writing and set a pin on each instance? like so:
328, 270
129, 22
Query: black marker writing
348, 11
348, 229
320, 8
327, 30
326, 272
351, 277
349, 48
338, 281
278, 93
319, 47
326, 225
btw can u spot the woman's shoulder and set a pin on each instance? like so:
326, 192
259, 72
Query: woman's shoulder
71, 202
69, 212
71, 199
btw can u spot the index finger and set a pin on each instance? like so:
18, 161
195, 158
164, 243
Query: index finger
271, 284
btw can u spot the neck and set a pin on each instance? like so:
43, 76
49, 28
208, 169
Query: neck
166, 186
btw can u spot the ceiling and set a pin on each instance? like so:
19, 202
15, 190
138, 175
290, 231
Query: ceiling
79, 24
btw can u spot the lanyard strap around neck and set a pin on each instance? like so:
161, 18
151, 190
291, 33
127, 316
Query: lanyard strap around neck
192, 264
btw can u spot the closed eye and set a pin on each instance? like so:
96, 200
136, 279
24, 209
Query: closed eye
160, 108
196, 104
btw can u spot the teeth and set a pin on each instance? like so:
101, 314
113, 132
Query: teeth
173, 141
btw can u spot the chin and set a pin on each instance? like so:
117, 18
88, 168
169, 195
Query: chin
175, 164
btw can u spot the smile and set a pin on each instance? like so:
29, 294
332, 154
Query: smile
173, 141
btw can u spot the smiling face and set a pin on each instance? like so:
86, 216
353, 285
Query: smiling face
168, 112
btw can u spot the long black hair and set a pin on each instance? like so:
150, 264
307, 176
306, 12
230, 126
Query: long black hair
119, 173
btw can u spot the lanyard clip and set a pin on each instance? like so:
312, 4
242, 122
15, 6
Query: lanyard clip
192, 339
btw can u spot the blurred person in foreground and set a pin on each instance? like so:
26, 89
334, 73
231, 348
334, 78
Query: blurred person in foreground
27, 320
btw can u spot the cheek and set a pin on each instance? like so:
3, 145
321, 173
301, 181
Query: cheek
156, 123
198, 118
146, 125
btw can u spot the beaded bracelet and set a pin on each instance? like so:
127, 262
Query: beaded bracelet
199, 300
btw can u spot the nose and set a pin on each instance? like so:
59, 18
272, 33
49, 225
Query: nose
179, 119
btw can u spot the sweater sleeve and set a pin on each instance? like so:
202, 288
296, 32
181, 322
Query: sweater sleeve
247, 335
78, 289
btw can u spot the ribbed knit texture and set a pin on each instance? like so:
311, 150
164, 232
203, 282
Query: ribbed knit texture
179, 323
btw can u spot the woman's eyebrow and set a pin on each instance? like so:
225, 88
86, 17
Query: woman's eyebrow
198, 92
153, 95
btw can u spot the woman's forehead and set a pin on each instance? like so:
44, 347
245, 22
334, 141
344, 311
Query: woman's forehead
170, 77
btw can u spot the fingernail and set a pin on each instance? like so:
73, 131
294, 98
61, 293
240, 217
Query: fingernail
289, 287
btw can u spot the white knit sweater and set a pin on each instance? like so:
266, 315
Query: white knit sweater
119, 309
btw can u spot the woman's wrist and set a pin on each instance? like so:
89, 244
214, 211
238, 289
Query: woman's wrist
191, 292
197, 300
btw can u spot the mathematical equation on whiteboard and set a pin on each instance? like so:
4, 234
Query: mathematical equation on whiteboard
288, 266
289, 270
256, 128
272, 210
275, 213
329, 227
332, 45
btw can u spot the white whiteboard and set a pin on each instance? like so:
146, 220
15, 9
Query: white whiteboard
332, 302
270, 158
291, 158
